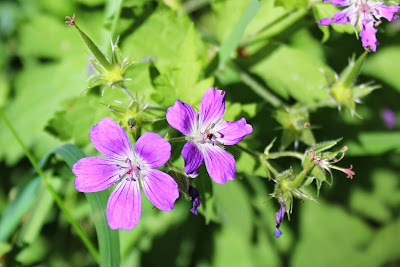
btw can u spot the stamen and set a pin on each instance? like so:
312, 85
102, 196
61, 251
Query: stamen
71, 21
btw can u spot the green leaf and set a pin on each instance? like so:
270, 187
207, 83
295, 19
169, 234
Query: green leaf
108, 239
374, 143
181, 79
78, 114
338, 234
43, 203
236, 35
383, 66
384, 247
302, 78
17, 208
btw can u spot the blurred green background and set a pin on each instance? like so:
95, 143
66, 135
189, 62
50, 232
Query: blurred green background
43, 77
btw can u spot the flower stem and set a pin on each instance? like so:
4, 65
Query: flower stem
266, 164
177, 139
128, 93
85, 239
260, 157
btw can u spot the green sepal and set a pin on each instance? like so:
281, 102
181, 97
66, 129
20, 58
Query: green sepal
350, 73
294, 120
324, 145
95, 50
268, 148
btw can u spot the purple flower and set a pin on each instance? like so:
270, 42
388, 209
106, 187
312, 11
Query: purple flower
389, 117
278, 219
206, 133
363, 15
130, 168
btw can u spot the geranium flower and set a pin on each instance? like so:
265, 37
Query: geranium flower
363, 15
129, 168
206, 133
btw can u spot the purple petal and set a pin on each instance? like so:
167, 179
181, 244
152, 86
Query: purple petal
339, 2
111, 140
182, 117
368, 36
192, 156
277, 232
221, 165
212, 107
230, 133
95, 174
124, 206
153, 149
341, 17
382, 10
280, 214
160, 188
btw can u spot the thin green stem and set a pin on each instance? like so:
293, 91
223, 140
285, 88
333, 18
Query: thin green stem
128, 93
252, 153
259, 156
177, 139
85, 239
266, 164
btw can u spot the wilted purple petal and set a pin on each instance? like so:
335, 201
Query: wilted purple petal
230, 133
221, 165
124, 206
368, 36
278, 219
380, 9
341, 17
192, 157
212, 107
95, 174
160, 188
110, 139
153, 149
182, 117
195, 196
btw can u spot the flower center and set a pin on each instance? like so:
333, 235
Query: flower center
132, 170
210, 138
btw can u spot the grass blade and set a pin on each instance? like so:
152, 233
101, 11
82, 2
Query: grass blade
108, 239
234, 38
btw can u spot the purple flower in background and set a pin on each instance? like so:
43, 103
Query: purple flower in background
206, 133
389, 117
363, 15
122, 164
278, 219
